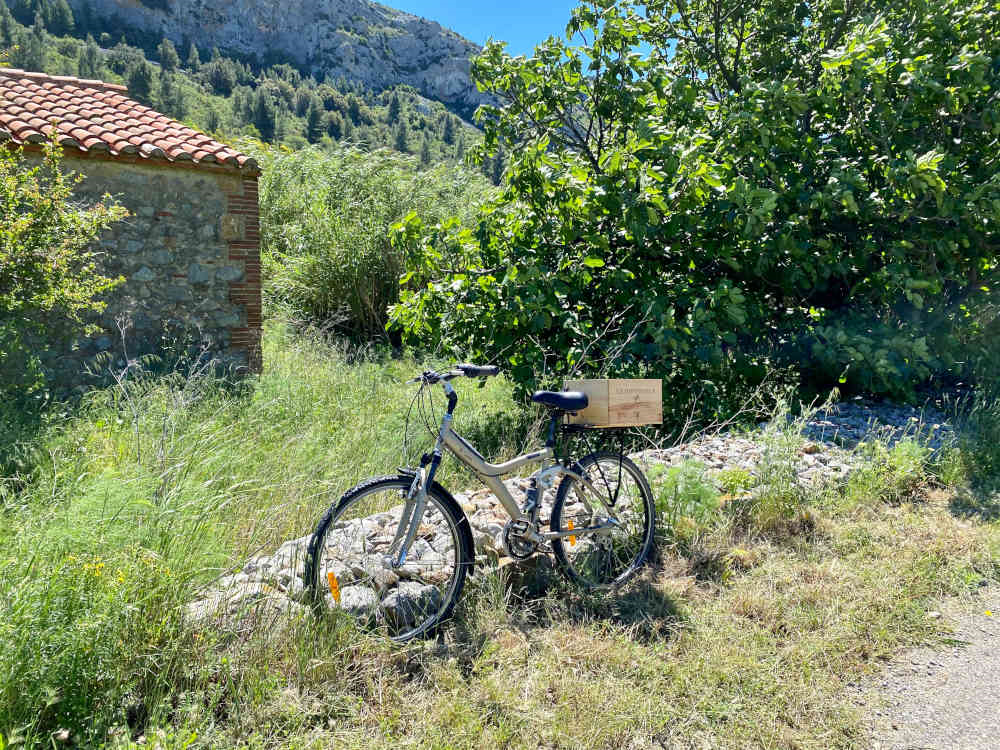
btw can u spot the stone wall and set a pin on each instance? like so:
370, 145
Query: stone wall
190, 256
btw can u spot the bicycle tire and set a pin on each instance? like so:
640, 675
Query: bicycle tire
584, 573
428, 611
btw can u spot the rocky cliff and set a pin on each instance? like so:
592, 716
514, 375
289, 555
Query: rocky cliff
356, 39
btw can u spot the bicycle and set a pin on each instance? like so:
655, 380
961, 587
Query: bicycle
395, 550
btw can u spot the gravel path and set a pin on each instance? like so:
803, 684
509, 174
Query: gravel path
943, 698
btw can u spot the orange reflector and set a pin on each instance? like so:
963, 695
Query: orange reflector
331, 579
572, 539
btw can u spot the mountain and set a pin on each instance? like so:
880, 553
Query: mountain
355, 39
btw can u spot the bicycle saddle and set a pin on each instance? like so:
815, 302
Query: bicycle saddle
562, 400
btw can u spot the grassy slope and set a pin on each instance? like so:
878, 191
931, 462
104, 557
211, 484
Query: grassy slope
735, 639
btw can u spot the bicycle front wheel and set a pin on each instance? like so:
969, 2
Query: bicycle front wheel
614, 512
349, 565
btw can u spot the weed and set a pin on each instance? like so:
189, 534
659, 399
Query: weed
686, 500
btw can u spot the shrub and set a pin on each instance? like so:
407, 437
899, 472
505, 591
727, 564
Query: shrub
325, 218
779, 495
686, 500
49, 279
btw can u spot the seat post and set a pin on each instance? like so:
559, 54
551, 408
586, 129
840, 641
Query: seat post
553, 422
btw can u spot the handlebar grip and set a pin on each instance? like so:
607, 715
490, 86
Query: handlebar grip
478, 371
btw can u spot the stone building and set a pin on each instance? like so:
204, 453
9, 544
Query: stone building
189, 251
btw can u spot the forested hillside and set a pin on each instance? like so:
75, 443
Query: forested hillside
222, 95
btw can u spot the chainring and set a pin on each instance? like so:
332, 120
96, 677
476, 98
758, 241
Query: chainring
515, 545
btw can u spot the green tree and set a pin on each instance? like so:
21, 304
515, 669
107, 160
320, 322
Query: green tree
29, 52
335, 125
7, 27
123, 58
49, 279
213, 122
60, 18
425, 151
325, 216
170, 98
803, 183
315, 120
392, 116
139, 80
265, 114
193, 61
169, 59
402, 142
449, 130
221, 74
89, 63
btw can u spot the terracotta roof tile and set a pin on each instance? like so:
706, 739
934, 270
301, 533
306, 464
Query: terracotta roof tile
99, 116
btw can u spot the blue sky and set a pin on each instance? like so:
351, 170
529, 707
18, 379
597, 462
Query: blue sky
520, 23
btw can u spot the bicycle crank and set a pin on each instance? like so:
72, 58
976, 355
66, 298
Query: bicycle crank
516, 545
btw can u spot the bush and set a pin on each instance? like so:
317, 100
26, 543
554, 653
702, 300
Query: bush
686, 501
325, 218
778, 496
49, 280
719, 201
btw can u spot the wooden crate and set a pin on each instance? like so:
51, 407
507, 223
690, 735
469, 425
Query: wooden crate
618, 403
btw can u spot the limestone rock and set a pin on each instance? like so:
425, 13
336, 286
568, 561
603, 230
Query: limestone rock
359, 40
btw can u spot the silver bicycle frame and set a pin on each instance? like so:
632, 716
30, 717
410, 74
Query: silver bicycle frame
490, 474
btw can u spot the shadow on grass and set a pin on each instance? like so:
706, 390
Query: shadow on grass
979, 503
536, 595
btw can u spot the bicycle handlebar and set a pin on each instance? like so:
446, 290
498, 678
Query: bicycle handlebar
461, 371
478, 371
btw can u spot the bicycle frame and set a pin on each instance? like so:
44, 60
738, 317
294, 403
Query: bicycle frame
490, 474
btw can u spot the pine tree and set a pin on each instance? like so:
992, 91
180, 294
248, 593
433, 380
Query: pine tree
265, 114
7, 26
212, 120
139, 80
460, 148
425, 151
402, 139
335, 125
30, 52
394, 108
171, 96
354, 109
60, 18
169, 59
315, 120
123, 58
193, 60
89, 62
449, 130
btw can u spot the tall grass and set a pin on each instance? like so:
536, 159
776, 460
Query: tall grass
742, 634
157, 486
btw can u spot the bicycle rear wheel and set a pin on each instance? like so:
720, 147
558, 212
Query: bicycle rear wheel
615, 497
349, 569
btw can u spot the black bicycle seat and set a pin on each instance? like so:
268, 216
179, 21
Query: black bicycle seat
562, 400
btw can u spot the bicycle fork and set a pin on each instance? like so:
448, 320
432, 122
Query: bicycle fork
416, 497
